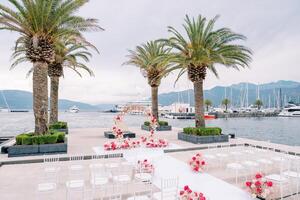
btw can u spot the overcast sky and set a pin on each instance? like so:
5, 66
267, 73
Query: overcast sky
271, 26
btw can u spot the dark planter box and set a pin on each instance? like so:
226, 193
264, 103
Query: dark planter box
64, 130
159, 128
28, 150
126, 134
202, 139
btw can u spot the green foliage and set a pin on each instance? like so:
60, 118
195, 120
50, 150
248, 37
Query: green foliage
49, 138
161, 123
153, 59
225, 102
203, 46
258, 103
58, 125
203, 131
50, 20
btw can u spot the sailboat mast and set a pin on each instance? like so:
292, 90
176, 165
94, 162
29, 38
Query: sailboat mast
5, 101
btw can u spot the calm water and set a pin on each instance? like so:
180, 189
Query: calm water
277, 129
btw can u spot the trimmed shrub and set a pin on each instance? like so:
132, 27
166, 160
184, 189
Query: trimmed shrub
52, 137
60, 137
147, 123
59, 125
203, 131
161, 123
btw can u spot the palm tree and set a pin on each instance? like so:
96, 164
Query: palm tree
154, 62
226, 103
207, 103
203, 49
40, 25
258, 103
66, 55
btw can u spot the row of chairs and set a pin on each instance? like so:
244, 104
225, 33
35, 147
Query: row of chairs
104, 177
281, 168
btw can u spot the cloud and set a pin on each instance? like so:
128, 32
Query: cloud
271, 27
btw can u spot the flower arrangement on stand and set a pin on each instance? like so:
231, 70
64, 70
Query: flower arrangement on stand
259, 187
145, 166
151, 141
197, 163
188, 194
120, 142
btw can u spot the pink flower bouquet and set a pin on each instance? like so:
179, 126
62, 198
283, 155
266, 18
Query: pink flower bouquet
259, 186
188, 194
145, 166
197, 163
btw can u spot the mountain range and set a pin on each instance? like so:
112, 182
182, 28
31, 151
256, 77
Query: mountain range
19, 99
273, 93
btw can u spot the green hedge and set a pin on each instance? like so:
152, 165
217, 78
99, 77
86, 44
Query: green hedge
58, 125
50, 138
161, 123
203, 131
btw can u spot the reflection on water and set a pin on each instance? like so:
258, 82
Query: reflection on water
274, 129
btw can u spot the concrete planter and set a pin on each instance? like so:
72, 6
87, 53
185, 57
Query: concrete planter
28, 150
159, 128
202, 139
126, 134
64, 130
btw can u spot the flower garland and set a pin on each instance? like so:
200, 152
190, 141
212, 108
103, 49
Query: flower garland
197, 163
188, 194
117, 131
259, 186
120, 142
145, 166
124, 144
151, 141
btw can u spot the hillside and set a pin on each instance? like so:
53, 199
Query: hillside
18, 99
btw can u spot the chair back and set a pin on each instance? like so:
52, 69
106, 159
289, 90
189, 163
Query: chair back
114, 191
143, 189
51, 160
76, 158
97, 157
169, 188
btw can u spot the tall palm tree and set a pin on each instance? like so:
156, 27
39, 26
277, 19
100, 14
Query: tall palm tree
226, 102
207, 103
203, 48
67, 55
154, 62
40, 24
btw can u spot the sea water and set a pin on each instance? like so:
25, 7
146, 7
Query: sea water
274, 129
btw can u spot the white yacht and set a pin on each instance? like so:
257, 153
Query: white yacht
290, 110
74, 109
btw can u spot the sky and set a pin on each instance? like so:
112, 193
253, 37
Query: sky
271, 27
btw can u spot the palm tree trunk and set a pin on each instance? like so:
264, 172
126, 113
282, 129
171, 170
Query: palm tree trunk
154, 100
199, 109
40, 97
54, 99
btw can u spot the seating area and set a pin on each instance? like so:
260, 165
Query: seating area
236, 165
90, 172
97, 178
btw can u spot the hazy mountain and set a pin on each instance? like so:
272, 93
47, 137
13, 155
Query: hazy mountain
269, 92
290, 91
18, 99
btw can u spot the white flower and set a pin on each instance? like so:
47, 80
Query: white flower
253, 196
